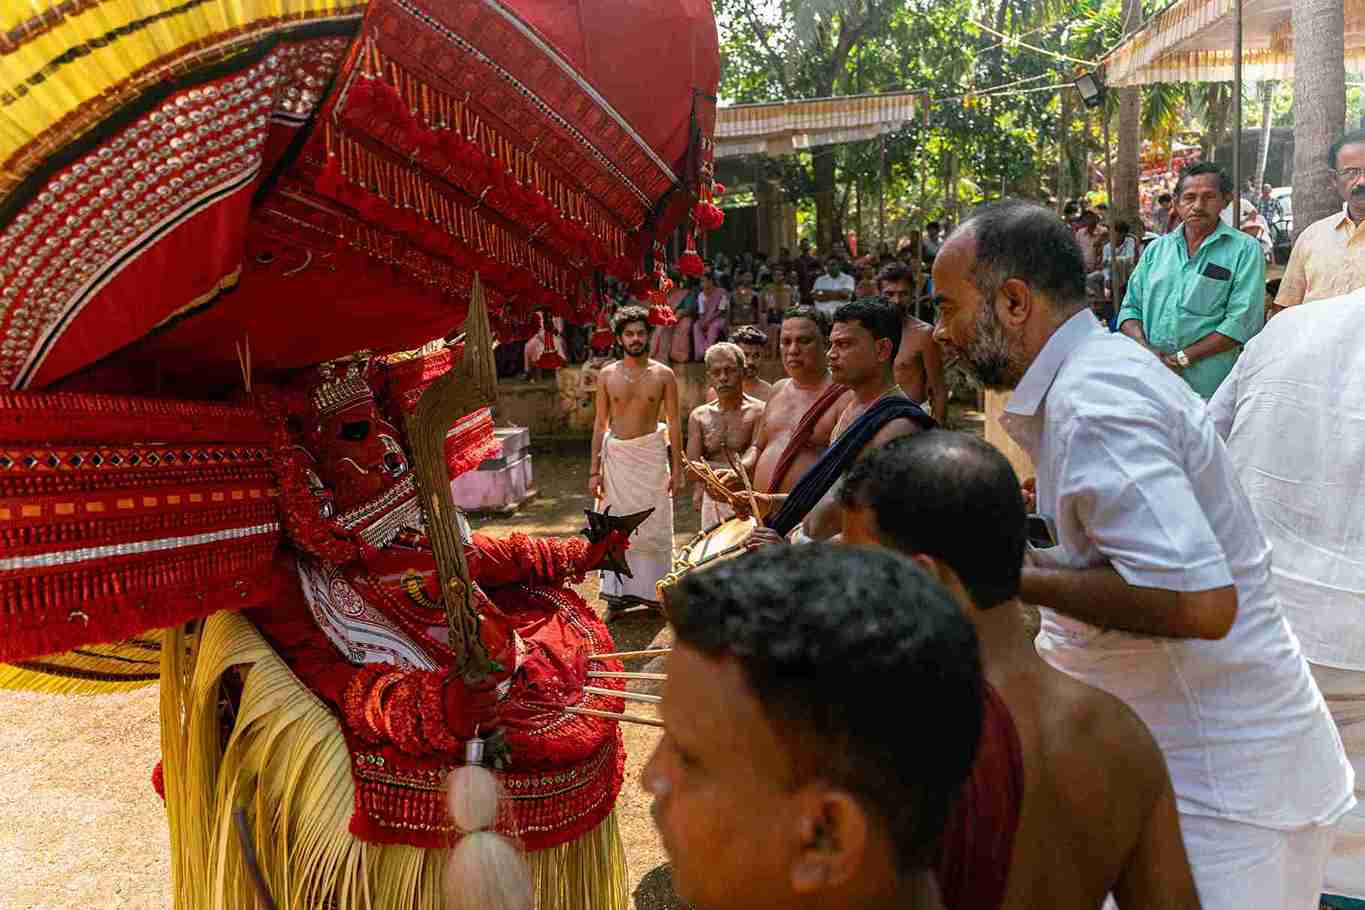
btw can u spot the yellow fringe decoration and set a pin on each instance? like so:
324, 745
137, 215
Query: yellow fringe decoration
286, 763
120, 667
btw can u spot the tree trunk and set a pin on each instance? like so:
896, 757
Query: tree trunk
1124, 205
1219, 104
822, 164
950, 204
1319, 29
1263, 151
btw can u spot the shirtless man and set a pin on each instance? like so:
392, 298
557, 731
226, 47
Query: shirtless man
919, 364
727, 424
1063, 769
752, 342
804, 338
636, 464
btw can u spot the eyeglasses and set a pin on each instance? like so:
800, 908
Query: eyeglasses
1350, 174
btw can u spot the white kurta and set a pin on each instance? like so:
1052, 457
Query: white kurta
1292, 412
635, 475
1133, 475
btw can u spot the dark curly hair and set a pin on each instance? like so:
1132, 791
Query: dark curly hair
950, 496
854, 655
628, 314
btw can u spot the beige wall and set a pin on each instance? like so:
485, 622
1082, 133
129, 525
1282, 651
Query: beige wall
563, 406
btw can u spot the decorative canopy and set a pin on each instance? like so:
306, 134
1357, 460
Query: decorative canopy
1191, 41
786, 126
322, 176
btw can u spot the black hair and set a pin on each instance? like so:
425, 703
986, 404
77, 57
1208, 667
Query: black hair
933, 224
839, 645
1017, 239
628, 314
802, 311
951, 496
1355, 137
876, 314
1122, 227
897, 273
748, 334
1164, 199
1070, 208
1206, 167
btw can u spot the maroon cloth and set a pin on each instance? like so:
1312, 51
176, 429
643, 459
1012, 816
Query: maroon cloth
801, 437
974, 859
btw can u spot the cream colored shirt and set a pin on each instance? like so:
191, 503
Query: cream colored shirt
1328, 260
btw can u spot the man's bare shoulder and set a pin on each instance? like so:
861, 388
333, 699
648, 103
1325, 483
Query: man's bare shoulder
661, 369
1091, 736
703, 411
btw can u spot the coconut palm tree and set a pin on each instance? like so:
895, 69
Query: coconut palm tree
1319, 28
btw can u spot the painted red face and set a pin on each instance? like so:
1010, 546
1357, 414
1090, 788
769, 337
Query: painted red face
359, 456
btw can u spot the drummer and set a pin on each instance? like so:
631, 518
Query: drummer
726, 424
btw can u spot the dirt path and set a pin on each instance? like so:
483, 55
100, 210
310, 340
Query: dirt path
80, 826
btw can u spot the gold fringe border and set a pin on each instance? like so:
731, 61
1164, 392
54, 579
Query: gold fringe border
91, 670
287, 764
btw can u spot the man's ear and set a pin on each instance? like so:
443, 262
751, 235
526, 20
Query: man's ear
834, 838
943, 574
883, 349
1015, 302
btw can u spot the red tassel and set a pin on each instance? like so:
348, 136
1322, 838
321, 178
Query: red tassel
690, 264
550, 360
708, 216
602, 339
159, 781
717, 189
662, 316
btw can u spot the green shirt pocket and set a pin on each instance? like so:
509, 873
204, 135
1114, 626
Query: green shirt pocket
1207, 296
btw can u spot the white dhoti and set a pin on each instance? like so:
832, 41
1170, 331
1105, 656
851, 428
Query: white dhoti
1344, 692
635, 476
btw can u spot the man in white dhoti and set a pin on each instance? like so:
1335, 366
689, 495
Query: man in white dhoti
1292, 412
724, 425
1157, 586
637, 461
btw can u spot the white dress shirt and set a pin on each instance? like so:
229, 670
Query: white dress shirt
843, 284
1134, 476
1293, 414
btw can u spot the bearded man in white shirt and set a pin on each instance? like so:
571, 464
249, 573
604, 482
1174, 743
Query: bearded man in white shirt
1291, 412
1158, 587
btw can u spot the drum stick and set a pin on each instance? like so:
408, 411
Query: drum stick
654, 652
608, 674
628, 718
744, 479
628, 696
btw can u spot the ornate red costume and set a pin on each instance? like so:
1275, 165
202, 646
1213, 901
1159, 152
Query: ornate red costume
351, 172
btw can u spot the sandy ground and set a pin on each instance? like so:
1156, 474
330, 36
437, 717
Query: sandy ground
81, 827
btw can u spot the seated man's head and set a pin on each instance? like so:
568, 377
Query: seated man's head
949, 500
822, 709
753, 342
725, 368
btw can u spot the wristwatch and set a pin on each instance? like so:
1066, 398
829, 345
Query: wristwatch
1183, 359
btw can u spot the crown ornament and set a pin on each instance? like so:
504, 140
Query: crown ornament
343, 384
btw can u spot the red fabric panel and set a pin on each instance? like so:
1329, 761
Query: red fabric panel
614, 42
182, 266
974, 865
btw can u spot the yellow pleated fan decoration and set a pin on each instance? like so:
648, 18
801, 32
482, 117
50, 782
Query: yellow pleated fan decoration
118, 49
92, 670
287, 765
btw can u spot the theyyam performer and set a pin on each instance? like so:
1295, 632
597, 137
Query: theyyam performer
216, 493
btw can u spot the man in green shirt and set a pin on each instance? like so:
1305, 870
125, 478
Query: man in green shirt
1198, 293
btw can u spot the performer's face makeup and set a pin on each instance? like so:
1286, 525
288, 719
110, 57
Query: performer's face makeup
721, 781
803, 347
359, 456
